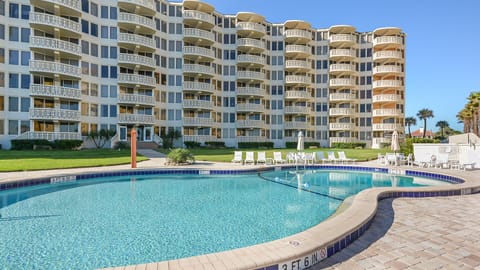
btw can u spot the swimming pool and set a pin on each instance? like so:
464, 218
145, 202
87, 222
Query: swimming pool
126, 220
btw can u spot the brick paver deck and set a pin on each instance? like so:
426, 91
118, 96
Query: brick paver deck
427, 233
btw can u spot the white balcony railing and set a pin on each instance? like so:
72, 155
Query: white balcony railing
55, 45
55, 91
387, 84
386, 127
387, 69
298, 49
344, 38
342, 96
198, 104
199, 16
137, 40
249, 42
295, 125
297, 110
297, 33
196, 68
347, 82
124, 17
341, 111
386, 112
342, 139
348, 53
387, 98
55, 68
250, 91
250, 107
197, 121
250, 123
297, 94
136, 79
55, 21
251, 139
199, 34
251, 26
49, 136
136, 59
297, 79
341, 126
250, 75
136, 118
136, 99
198, 86
388, 40
200, 138
200, 51
149, 4
71, 4
387, 55
297, 64
342, 68
54, 114
251, 59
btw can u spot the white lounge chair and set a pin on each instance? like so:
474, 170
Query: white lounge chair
343, 158
309, 158
237, 157
277, 158
331, 157
291, 157
320, 157
261, 157
249, 158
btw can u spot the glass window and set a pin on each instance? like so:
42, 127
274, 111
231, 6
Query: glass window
113, 110
13, 10
94, 70
25, 83
104, 12
104, 111
2, 55
25, 58
85, 26
25, 12
104, 52
25, 104
104, 71
24, 126
94, 9
2, 11
2, 31
94, 29
113, 32
13, 80
13, 33
113, 13
113, 92
85, 47
113, 72
25, 35
104, 31
13, 57
104, 90
12, 127
113, 52
85, 6
13, 104
94, 49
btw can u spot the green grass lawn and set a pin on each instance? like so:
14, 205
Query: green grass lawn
226, 154
44, 160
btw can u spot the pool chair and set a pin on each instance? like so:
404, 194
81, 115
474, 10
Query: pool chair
344, 159
277, 158
249, 158
291, 157
320, 157
309, 158
237, 157
261, 157
331, 157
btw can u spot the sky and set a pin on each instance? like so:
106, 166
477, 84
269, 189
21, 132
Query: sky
442, 47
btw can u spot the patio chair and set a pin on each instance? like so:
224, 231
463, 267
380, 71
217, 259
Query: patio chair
331, 157
237, 157
277, 158
261, 157
344, 159
309, 158
291, 157
406, 160
249, 158
320, 157
381, 158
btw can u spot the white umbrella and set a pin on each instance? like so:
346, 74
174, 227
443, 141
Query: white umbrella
395, 146
300, 145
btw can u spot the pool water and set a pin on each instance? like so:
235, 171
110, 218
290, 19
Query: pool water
132, 220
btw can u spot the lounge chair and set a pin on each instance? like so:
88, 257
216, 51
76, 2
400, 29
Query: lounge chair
249, 158
261, 157
343, 158
406, 160
277, 158
291, 157
331, 157
309, 158
320, 157
237, 157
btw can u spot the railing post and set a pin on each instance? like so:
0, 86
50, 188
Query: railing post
133, 147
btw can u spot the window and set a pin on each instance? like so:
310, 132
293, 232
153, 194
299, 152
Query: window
104, 12
113, 32
13, 10
104, 31
25, 104
113, 110
13, 57
13, 33
104, 52
13, 80
12, 127
104, 90
113, 92
2, 55
85, 6
104, 110
25, 12
104, 71
94, 29
94, 9
85, 47
113, 52
113, 72
13, 104
113, 13
25, 35
2, 11
2, 31
85, 26
25, 58
94, 49
25, 81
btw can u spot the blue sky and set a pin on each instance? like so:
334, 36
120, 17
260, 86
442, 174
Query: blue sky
443, 42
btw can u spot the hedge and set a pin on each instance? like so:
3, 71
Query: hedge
215, 144
305, 145
58, 144
67, 144
192, 144
255, 145
349, 145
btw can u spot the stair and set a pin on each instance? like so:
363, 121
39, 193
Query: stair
147, 145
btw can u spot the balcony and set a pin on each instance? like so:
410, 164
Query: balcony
295, 125
146, 7
198, 121
250, 107
65, 7
342, 140
297, 65
54, 114
136, 99
297, 36
342, 69
134, 42
386, 127
49, 136
297, 110
63, 48
250, 76
196, 53
342, 82
250, 45
386, 112
138, 119
198, 36
136, 80
297, 95
251, 29
347, 54
297, 80
200, 138
251, 91
388, 41
387, 98
136, 23
198, 70
251, 139
198, 87
341, 111
50, 23
298, 51
343, 39
341, 126
387, 84
40, 90
198, 104
57, 69
250, 60
136, 60
384, 70
198, 19
388, 56
381, 141
250, 124
342, 97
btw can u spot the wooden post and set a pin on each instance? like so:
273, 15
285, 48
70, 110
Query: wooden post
133, 147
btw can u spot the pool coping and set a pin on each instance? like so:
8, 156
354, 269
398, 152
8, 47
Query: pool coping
300, 250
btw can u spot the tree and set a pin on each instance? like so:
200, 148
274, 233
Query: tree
424, 114
101, 137
473, 106
169, 137
410, 121
442, 125
465, 116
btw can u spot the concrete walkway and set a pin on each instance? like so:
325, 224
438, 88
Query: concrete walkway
427, 233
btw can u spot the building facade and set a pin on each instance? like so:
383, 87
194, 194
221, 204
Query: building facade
68, 67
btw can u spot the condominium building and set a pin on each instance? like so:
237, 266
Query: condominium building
69, 67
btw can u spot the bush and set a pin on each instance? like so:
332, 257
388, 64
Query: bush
180, 156
192, 144
255, 145
215, 144
407, 148
121, 145
305, 145
67, 144
349, 145
28, 144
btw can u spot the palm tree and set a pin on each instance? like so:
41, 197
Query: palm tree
465, 116
424, 114
442, 125
410, 121
473, 106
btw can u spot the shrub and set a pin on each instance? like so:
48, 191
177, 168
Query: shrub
28, 144
255, 145
352, 145
180, 156
407, 148
67, 144
305, 145
121, 145
192, 144
215, 144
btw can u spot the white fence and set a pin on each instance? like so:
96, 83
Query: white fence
463, 153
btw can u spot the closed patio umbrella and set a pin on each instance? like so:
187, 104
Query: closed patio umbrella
395, 146
301, 142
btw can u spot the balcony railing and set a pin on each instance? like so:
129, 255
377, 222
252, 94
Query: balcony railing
343, 53
250, 107
199, 51
342, 82
250, 91
295, 125
136, 99
251, 139
55, 68
297, 95
341, 126
250, 75
199, 34
74, 5
137, 40
55, 21
343, 38
342, 139
124, 17
386, 112
55, 45
384, 40
342, 96
387, 69
387, 84
136, 118
200, 138
198, 86
49, 136
386, 127
251, 26
297, 79
136, 79
341, 111
149, 4
387, 98
299, 49
249, 42
250, 124
199, 16
251, 59
382, 55
298, 33
54, 114
199, 69
297, 110
342, 68
198, 121
297, 64
136, 59
198, 104
55, 91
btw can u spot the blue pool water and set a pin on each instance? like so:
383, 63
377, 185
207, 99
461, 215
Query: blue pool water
131, 220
